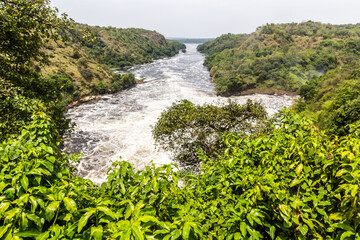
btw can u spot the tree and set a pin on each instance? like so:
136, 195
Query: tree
185, 128
25, 27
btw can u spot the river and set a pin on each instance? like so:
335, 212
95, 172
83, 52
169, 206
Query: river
119, 125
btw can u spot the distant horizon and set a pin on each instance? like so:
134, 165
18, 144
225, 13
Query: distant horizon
211, 38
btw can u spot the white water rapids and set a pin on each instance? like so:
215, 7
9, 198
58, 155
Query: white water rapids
120, 125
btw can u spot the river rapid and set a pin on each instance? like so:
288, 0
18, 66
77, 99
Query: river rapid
120, 125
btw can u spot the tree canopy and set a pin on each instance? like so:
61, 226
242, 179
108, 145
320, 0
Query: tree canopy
186, 128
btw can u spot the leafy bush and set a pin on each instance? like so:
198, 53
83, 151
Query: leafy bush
185, 128
122, 81
292, 183
100, 88
295, 183
85, 73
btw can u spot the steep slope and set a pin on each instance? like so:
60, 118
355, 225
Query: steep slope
121, 48
279, 57
86, 69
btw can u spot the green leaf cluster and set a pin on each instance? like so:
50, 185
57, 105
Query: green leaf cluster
333, 99
293, 182
185, 128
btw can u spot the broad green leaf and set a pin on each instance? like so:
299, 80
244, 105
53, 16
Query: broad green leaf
122, 188
128, 211
336, 216
97, 232
35, 219
24, 221
186, 230
2, 186
4, 206
34, 204
126, 235
295, 182
284, 209
51, 209
155, 185
175, 234
24, 182
27, 234
70, 204
51, 159
237, 236
164, 225
243, 227
135, 229
346, 234
308, 222
299, 168
343, 226
84, 219
4, 229
272, 232
11, 213
107, 211
167, 237
147, 219
303, 229
43, 236
35, 172
341, 172
48, 165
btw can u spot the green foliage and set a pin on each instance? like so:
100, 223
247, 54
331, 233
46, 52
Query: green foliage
292, 183
185, 128
120, 48
226, 41
279, 57
119, 82
123, 81
25, 27
333, 99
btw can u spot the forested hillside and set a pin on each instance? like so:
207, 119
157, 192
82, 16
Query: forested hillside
119, 48
87, 69
279, 57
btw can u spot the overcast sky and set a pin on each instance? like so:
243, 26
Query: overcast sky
206, 18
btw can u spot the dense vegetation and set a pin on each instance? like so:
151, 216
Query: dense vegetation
279, 57
291, 181
186, 128
119, 48
332, 100
86, 67
294, 183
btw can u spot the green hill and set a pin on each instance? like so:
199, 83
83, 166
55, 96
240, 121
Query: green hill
279, 57
119, 48
86, 69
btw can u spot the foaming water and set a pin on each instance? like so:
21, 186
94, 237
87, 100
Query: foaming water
120, 125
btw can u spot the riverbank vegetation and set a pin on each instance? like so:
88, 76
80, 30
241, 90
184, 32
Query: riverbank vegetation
279, 56
87, 67
285, 179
